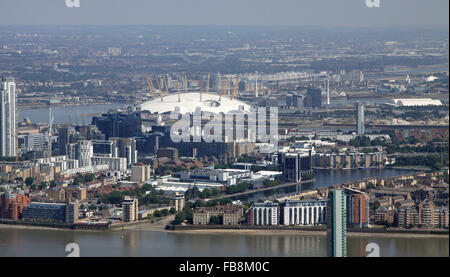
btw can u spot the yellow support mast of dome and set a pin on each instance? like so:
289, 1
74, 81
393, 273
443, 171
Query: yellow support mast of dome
225, 89
165, 84
236, 85
159, 88
150, 86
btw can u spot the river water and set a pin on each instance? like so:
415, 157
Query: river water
75, 115
141, 243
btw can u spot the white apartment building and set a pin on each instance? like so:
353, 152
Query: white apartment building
304, 212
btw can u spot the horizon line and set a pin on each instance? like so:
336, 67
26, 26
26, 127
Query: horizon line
222, 25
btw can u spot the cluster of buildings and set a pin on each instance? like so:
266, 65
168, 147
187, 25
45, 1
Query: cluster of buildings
309, 212
18, 206
353, 159
423, 135
424, 215
116, 157
406, 213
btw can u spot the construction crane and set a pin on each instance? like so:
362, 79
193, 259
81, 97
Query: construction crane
150, 86
159, 88
236, 85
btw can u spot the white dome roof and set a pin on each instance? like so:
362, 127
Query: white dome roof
190, 101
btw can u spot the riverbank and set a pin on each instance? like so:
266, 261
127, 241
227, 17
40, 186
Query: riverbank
303, 233
319, 231
152, 225
412, 167
159, 226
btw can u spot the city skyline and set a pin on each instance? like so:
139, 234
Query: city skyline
275, 128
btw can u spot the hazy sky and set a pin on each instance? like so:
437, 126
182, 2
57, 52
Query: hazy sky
227, 12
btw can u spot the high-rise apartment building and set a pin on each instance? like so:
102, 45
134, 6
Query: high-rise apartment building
178, 202
357, 206
84, 153
130, 210
295, 164
8, 118
141, 173
360, 118
63, 139
336, 224
126, 148
313, 98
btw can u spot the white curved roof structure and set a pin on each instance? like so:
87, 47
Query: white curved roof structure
417, 102
190, 101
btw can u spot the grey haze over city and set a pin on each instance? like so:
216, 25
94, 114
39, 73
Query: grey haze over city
230, 12
232, 128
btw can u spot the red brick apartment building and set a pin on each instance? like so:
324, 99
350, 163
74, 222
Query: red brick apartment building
12, 205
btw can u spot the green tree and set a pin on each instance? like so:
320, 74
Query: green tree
89, 177
157, 213
216, 220
53, 184
29, 181
165, 212
115, 197
43, 185
180, 217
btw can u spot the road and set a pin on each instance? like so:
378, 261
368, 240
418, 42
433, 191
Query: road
256, 190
